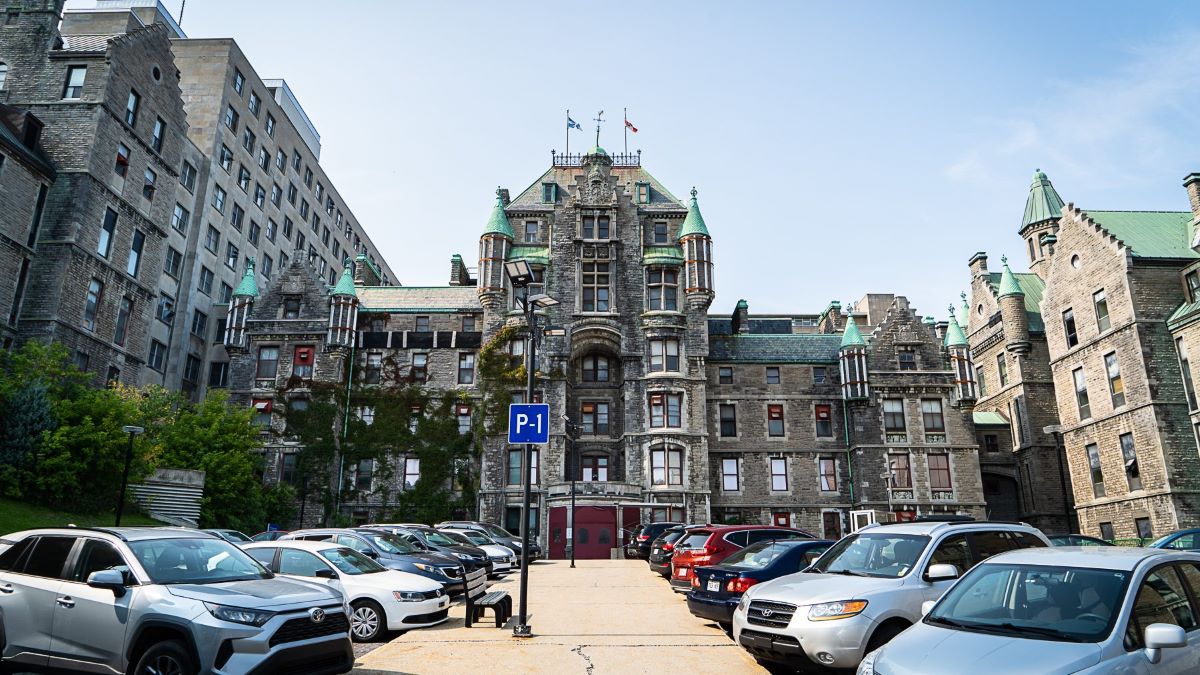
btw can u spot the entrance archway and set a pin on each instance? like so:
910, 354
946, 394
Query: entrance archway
1002, 496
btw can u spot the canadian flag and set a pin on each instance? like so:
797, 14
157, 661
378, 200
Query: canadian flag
629, 125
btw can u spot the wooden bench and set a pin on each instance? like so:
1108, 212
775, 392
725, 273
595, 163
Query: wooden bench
479, 599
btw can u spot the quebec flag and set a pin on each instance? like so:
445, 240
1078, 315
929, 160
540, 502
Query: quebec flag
572, 124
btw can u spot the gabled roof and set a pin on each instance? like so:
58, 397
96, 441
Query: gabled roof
1150, 234
661, 198
415, 299
1032, 286
793, 348
1043, 202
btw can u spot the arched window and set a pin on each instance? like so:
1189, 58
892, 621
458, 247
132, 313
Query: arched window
595, 369
3, 73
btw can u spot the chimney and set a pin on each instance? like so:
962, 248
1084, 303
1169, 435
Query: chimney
741, 317
978, 264
459, 274
365, 274
504, 198
1192, 184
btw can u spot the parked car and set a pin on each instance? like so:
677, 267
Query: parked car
1086, 610
1183, 540
269, 535
712, 544
391, 552
380, 599
430, 539
662, 548
166, 600
717, 589
503, 558
498, 533
231, 536
1076, 540
643, 537
866, 589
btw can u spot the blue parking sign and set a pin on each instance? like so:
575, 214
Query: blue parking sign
529, 423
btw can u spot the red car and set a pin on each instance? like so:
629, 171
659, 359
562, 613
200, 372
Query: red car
711, 544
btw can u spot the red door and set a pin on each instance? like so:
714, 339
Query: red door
558, 533
595, 532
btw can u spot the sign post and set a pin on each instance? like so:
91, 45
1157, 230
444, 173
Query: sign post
528, 423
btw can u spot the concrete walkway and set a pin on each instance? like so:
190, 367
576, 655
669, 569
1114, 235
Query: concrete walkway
604, 616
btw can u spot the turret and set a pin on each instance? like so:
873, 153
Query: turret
1043, 208
343, 310
852, 358
1012, 311
964, 313
239, 309
494, 247
960, 360
698, 257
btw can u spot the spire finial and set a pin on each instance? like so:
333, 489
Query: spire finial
963, 295
598, 119
951, 308
693, 192
1003, 259
498, 192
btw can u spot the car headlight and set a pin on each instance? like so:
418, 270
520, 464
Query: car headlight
867, 665
743, 603
408, 596
431, 569
828, 611
250, 617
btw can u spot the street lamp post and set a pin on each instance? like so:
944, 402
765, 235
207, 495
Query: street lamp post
520, 275
132, 431
573, 468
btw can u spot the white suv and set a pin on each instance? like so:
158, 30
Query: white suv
866, 589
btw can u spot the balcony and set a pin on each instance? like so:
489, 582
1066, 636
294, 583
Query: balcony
594, 489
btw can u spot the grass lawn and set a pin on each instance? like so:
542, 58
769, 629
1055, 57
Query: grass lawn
16, 516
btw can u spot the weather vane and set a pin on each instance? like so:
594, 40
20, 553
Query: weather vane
598, 119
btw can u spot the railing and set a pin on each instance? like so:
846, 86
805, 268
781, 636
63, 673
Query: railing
595, 488
619, 159
935, 438
943, 495
890, 437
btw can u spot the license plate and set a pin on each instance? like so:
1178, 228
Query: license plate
681, 572
714, 586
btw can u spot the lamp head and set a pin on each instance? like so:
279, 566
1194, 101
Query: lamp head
133, 430
519, 273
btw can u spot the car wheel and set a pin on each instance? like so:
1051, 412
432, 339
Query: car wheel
366, 621
165, 658
884, 635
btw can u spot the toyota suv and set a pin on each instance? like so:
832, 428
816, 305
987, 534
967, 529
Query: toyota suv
159, 600
866, 589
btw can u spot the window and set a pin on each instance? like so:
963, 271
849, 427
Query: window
1115, 386
728, 417
199, 324
268, 363
549, 193
907, 360
1081, 394
218, 200
1193, 285
823, 420
264, 158
226, 293
248, 140
243, 179
660, 232
595, 286
666, 466
150, 184
662, 286
172, 262
463, 414
254, 104
108, 231
231, 256
4, 66
775, 420
468, 323
73, 87
420, 367
253, 232
135, 253
595, 468
49, 557
302, 362
270, 125
231, 119
291, 307
665, 410
206, 281
773, 375
308, 177
779, 478
1106, 532
729, 475
158, 355
123, 313
15, 309
325, 236
372, 371
271, 229
260, 195
725, 375
531, 231
212, 239
595, 418
287, 228
1185, 368
991, 443
1129, 455
595, 369
276, 194
664, 356
180, 218
1068, 319
156, 136
514, 466
931, 415
466, 368
900, 474
1093, 455
1002, 368
1146, 531
187, 177
422, 324
121, 164
82, 360
827, 470
893, 415
819, 374
979, 378
239, 81
939, 471
1100, 302
296, 160
280, 159
166, 309
131, 108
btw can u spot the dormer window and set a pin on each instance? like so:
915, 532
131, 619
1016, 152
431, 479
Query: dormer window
291, 307
642, 192
549, 193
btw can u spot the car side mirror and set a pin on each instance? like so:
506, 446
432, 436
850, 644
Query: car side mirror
941, 572
113, 580
326, 573
1160, 636
927, 606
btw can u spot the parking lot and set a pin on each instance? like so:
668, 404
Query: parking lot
604, 616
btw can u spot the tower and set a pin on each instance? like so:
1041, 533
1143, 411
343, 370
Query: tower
698, 257
239, 309
852, 357
1043, 208
343, 310
494, 246
1012, 312
966, 389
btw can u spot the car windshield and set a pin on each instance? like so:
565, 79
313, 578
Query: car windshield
437, 538
757, 556
195, 561
392, 544
349, 561
1036, 602
873, 554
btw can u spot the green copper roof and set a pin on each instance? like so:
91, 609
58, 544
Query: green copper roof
1150, 234
694, 222
534, 254
1033, 287
345, 285
954, 333
1008, 283
597, 150
852, 338
989, 418
1043, 202
964, 311
247, 287
662, 255
498, 222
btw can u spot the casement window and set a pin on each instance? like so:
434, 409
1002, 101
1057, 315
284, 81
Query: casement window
660, 233
361, 475
422, 324
595, 468
180, 218
549, 193
594, 416
1072, 335
775, 420
666, 466
642, 193
131, 108
226, 293
1081, 394
156, 136
412, 471
1002, 368
420, 367
531, 232
191, 369
243, 179
907, 360
108, 232
73, 86
665, 410
218, 200
231, 256
248, 140
121, 164
296, 161
779, 477
900, 473
271, 228
1185, 368
166, 309
939, 471
827, 472
187, 177
931, 415
253, 232
135, 253
823, 420
773, 375
149, 184
199, 324
1116, 386
981, 380
124, 311
268, 363
205, 285
157, 356
308, 177
595, 369
280, 159
462, 413
595, 226
466, 368
725, 375
729, 475
595, 283
292, 191
239, 81
254, 104
231, 118
1100, 302
302, 362
819, 374
236, 217
664, 356
662, 289
728, 418
270, 125
893, 415
1097, 474
172, 262
276, 194
514, 466
260, 195
373, 369
1129, 455
288, 225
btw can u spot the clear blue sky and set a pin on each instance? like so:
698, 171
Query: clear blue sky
838, 148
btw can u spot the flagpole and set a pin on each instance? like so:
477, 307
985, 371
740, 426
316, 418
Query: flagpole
625, 128
568, 152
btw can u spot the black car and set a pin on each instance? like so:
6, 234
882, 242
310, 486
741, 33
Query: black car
392, 552
643, 539
501, 535
472, 557
662, 548
717, 589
